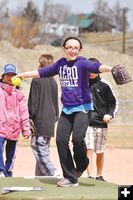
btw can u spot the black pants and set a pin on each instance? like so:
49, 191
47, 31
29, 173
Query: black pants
75, 123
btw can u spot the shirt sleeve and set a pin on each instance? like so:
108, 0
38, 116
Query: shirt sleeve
112, 101
50, 70
24, 116
33, 99
91, 67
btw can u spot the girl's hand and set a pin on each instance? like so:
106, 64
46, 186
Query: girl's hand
26, 136
107, 118
28, 74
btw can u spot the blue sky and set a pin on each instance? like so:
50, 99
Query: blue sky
79, 6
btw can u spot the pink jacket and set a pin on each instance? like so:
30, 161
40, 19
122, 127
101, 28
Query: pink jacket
14, 116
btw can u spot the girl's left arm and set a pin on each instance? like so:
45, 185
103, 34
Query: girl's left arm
105, 68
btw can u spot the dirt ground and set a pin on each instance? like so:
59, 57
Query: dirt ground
118, 167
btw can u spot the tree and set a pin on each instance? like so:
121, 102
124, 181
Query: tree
106, 15
5, 25
4, 11
118, 17
3, 4
25, 26
20, 34
55, 13
31, 13
103, 13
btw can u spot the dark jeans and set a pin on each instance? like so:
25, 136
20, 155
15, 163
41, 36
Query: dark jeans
75, 123
10, 152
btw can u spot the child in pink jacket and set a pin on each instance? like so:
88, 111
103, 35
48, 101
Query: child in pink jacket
14, 118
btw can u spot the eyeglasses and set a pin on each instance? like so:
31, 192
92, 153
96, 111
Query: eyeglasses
69, 48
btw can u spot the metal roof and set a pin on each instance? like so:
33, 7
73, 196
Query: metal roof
81, 20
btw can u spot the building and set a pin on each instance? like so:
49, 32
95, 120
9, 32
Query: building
90, 22
61, 29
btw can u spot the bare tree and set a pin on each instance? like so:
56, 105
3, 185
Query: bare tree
103, 13
118, 17
30, 12
3, 4
5, 25
25, 26
106, 15
55, 13
4, 11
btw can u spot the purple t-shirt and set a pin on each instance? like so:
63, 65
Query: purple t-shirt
74, 78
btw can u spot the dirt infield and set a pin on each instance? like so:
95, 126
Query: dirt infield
118, 167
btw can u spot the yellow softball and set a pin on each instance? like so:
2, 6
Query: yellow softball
16, 81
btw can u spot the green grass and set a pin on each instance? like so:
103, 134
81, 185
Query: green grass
87, 189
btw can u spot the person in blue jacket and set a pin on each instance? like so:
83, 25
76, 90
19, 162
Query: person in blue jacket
76, 100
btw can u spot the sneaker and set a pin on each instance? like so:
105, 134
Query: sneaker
57, 174
78, 174
2, 175
91, 177
100, 178
66, 183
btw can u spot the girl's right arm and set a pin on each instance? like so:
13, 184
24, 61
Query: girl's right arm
29, 74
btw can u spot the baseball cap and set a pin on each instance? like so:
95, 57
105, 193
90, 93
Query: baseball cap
9, 68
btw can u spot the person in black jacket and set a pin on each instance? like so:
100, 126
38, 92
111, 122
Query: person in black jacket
43, 111
105, 108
